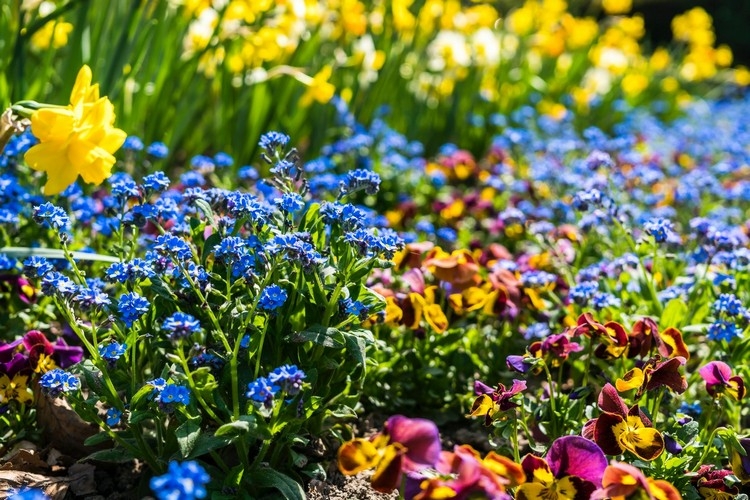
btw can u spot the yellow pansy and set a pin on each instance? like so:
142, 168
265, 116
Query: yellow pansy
15, 389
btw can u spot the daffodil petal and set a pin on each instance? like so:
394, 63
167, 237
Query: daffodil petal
52, 124
92, 162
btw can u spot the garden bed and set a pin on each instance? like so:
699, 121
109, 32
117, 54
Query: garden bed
449, 254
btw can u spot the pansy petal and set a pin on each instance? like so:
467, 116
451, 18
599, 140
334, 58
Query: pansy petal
620, 480
436, 318
574, 488
483, 406
610, 401
588, 429
606, 432
357, 455
387, 475
482, 388
577, 456
715, 372
532, 491
645, 442
671, 344
505, 467
66, 355
420, 437
663, 490
8, 350
736, 388
518, 386
667, 374
537, 469
517, 363
631, 380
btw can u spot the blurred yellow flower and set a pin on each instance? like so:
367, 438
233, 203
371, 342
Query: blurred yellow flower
78, 139
742, 76
617, 6
724, 56
660, 59
634, 83
695, 27
319, 89
52, 35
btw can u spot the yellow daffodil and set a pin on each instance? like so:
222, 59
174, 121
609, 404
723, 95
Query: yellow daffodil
52, 35
78, 139
319, 89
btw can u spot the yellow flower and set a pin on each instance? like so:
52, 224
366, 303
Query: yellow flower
617, 6
15, 389
51, 35
45, 364
319, 89
77, 139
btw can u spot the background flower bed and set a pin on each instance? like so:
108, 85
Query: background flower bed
582, 276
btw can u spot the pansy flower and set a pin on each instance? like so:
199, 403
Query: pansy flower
654, 374
45, 356
15, 388
711, 483
426, 306
572, 470
741, 463
645, 335
719, 380
554, 350
622, 481
470, 299
406, 445
492, 401
619, 429
13, 361
463, 473
459, 268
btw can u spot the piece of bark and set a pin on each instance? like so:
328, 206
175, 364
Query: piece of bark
26, 461
55, 488
62, 428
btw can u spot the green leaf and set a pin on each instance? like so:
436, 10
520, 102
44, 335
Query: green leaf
205, 444
247, 424
208, 246
233, 429
270, 478
234, 478
687, 432
115, 455
137, 417
101, 437
674, 314
187, 436
53, 253
140, 395
356, 351
321, 335
206, 209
